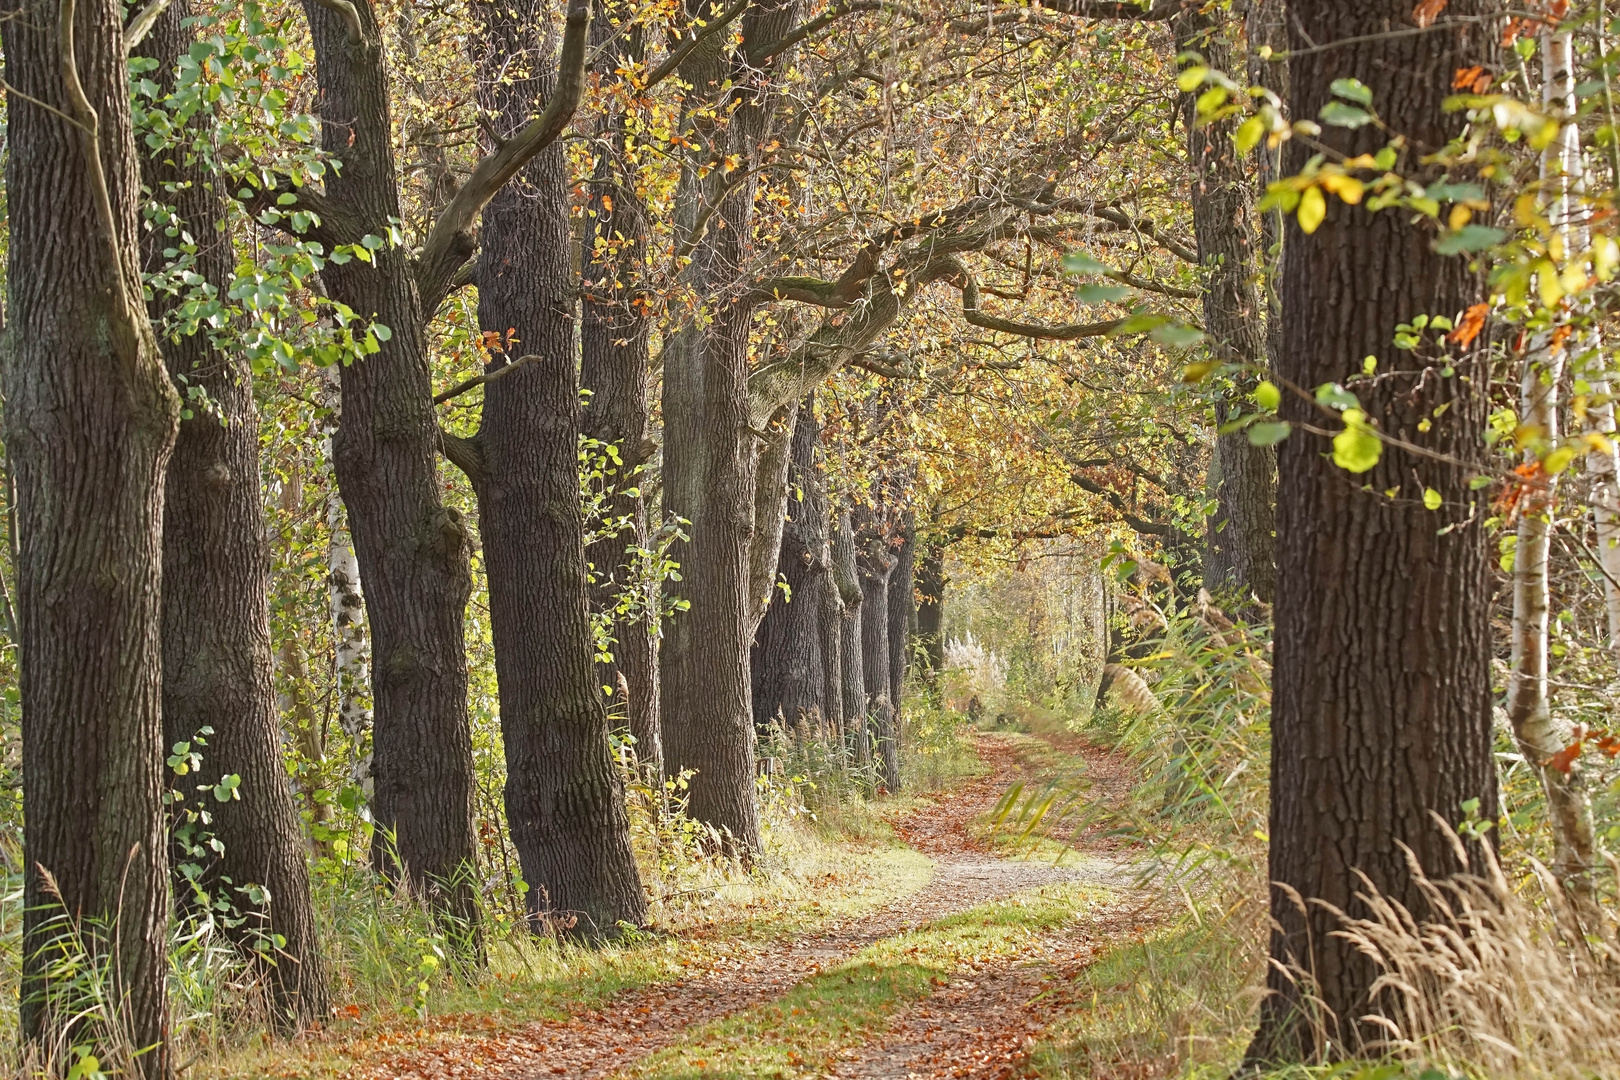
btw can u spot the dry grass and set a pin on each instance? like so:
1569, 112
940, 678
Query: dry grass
1491, 984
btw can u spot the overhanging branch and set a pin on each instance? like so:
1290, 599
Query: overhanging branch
450, 243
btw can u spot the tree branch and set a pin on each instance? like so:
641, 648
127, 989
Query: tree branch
142, 24
350, 16
1140, 525
450, 244
1145, 227
465, 454
672, 62
467, 385
963, 278
1158, 11
330, 223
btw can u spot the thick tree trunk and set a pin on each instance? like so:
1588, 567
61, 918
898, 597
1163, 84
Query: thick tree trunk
1381, 712
852, 665
217, 666
902, 613
1240, 557
564, 797
875, 563
91, 416
711, 451
789, 675
614, 329
931, 607
412, 549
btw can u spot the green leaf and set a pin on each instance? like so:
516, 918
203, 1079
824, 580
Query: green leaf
1269, 433
1104, 294
1468, 239
1267, 396
1357, 448
1176, 335
1191, 78
1353, 90
1338, 114
1431, 499
1078, 262
1335, 396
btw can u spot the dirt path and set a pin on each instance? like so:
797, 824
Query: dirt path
976, 1026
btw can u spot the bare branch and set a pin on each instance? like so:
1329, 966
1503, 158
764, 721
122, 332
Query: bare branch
450, 244
142, 24
1145, 227
350, 16
467, 385
971, 311
329, 223
465, 454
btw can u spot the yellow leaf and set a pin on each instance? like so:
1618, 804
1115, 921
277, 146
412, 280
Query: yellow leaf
1312, 209
1195, 372
1248, 134
1598, 443
1460, 215
1190, 79
1557, 461
1347, 188
1431, 499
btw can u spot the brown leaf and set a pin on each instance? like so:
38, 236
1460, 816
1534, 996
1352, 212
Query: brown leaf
1426, 11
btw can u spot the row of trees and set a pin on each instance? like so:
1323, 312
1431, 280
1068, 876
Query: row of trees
666, 231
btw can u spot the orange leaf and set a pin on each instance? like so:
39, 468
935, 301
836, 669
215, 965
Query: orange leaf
1424, 14
1558, 338
1473, 321
1475, 80
1564, 760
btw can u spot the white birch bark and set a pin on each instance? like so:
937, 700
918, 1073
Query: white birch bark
352, 647
1538, 733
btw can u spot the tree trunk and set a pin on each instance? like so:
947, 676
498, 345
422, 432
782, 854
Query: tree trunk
564, 797
902, 613
846, 578
787, 663
91, 417
1381, 714
875, 563
347, 599
931, 607
1240, 557
614, 332
710, 446
412, 549
217, 666
1539, 735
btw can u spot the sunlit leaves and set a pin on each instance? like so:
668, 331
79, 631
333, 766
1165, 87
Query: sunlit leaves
1357, 448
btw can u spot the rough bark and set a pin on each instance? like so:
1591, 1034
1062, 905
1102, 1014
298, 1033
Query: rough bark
564, 797
412, 549
931, 607
1240, 555
850, 636
347, 599
91, 417
614, 328
710, 445
1381, 700
218, 669
875, 563
788, 667
902, 611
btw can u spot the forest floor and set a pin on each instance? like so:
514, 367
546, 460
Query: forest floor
951, 962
